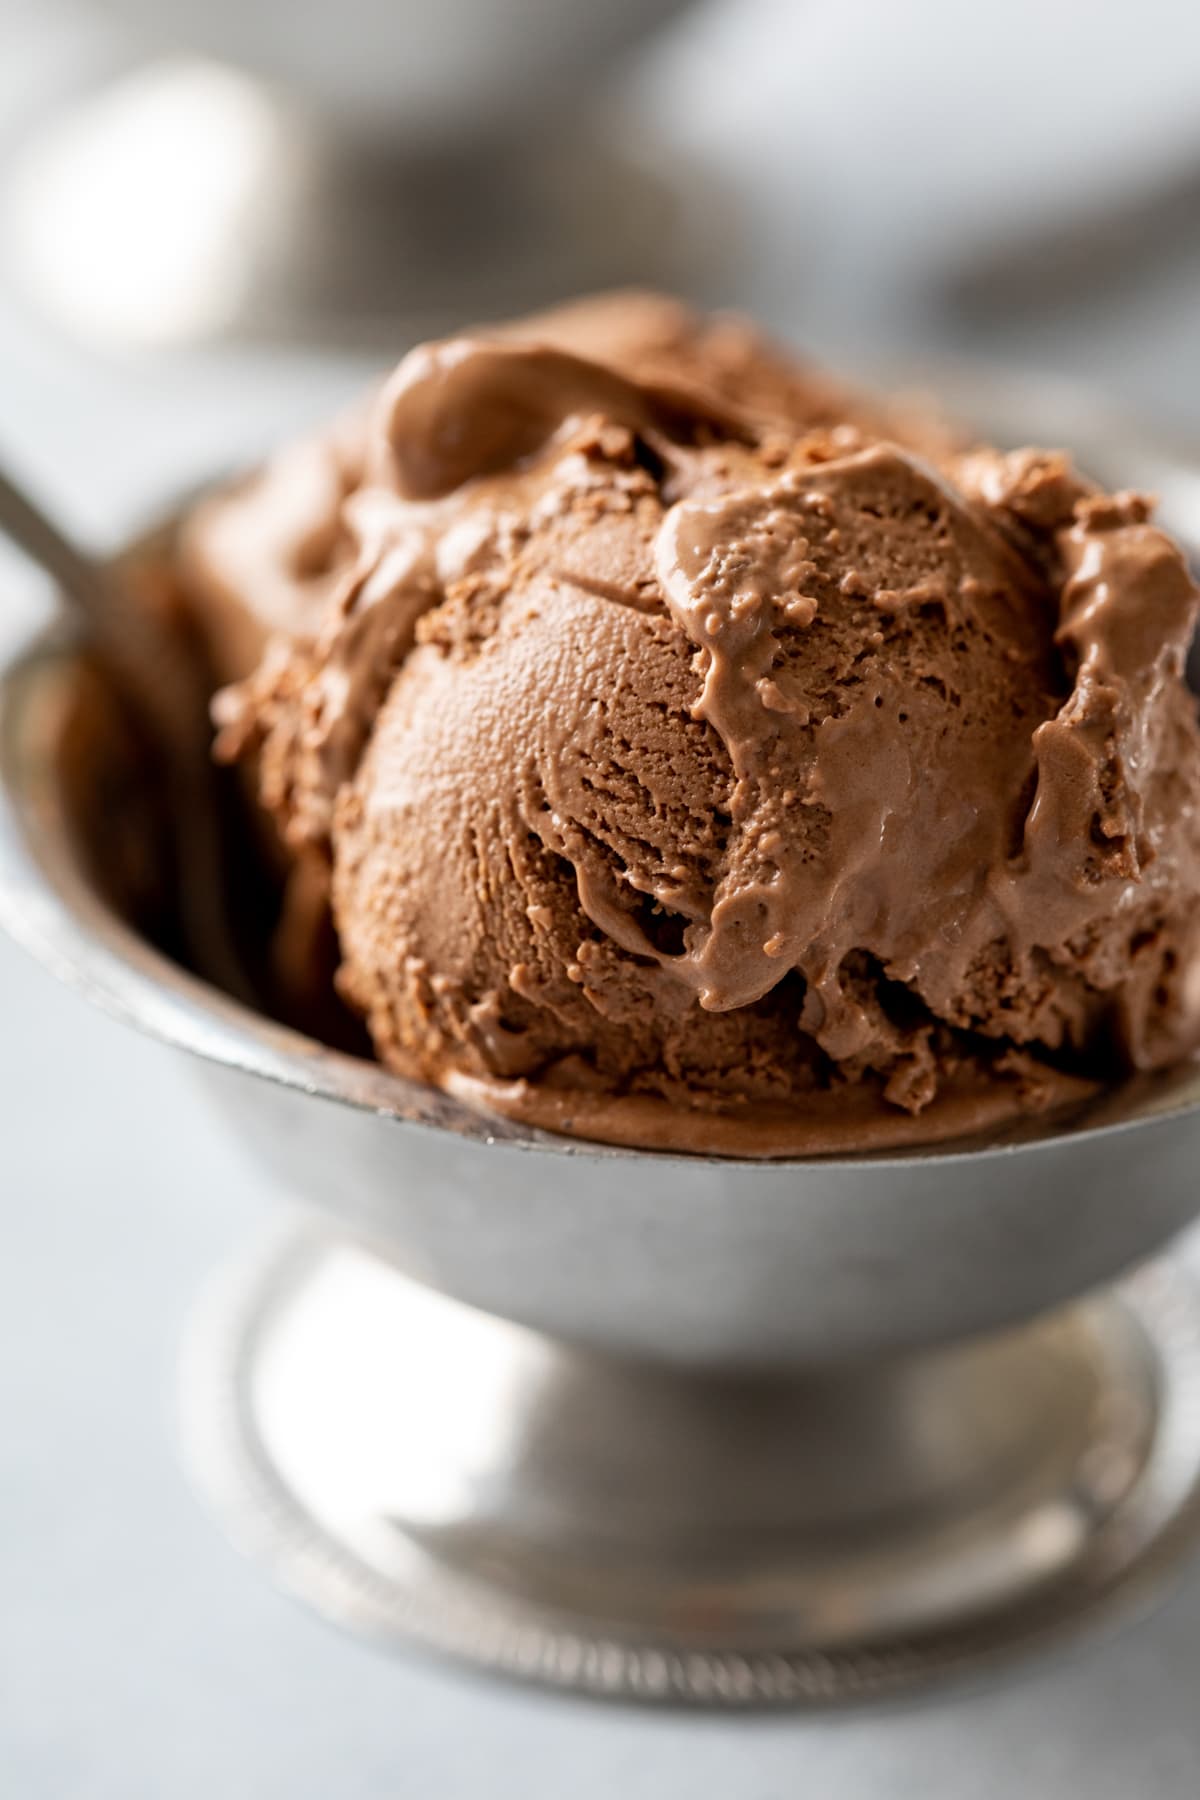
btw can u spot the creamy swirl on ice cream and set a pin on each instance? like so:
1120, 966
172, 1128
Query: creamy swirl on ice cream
700, 757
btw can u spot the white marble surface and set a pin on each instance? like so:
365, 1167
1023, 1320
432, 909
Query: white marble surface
139, 1659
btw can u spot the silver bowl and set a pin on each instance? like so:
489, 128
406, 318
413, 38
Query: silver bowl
681, 1428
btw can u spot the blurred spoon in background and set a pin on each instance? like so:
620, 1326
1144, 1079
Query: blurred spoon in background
168, 816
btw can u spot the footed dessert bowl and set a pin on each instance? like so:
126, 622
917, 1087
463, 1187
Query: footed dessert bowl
679, 1428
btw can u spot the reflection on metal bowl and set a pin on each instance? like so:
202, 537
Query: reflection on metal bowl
674, 1427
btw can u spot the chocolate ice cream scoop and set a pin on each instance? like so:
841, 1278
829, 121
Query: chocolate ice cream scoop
700, 766
262, 559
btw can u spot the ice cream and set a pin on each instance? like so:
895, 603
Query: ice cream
264, 558
704, 759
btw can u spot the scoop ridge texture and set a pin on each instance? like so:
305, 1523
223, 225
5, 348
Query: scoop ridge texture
703, 758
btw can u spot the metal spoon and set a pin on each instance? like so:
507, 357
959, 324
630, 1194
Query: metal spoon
161, 686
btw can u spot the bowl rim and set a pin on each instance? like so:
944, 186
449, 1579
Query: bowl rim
50, 907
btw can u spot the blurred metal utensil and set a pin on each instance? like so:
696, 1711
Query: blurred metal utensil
161, 688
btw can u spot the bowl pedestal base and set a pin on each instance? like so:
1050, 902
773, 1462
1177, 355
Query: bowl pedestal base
421, 1472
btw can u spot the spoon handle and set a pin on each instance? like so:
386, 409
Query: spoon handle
160, 684
153, 672
27, 527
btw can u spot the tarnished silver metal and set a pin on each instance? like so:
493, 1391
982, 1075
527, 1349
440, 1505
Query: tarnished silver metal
284, 228
647, 1423
419, 1471
696, 1260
